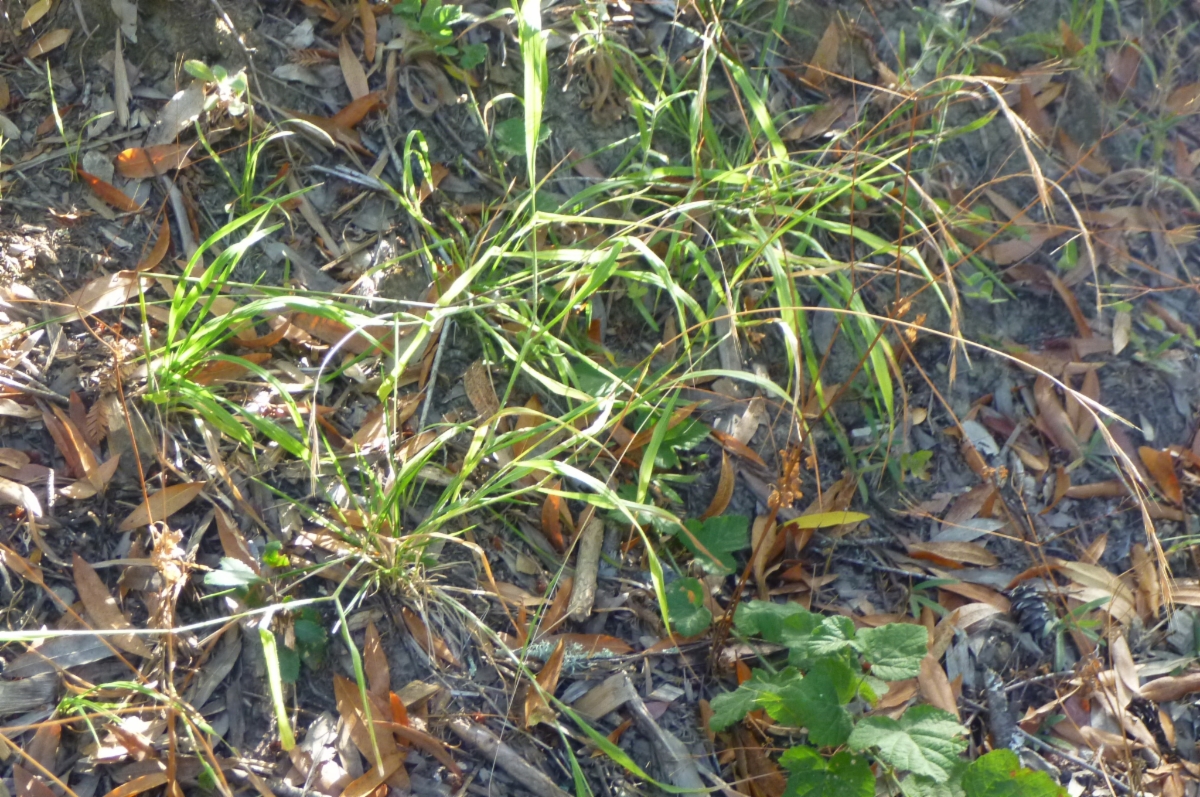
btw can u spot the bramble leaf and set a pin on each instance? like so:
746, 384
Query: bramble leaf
925, 741
720, 537
685, 602
834, 635
815, 702
770, 620
1000, 774
813, 775
895, 650
730, 707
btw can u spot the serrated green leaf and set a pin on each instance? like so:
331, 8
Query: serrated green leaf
768, 620
816, 702
813, 775
1000, 774
714, 541
289, 663
685, 602
895, 650
917, 786
834, 636
925, 741
731, 707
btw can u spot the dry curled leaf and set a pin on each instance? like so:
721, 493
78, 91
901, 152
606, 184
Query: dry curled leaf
434, 645
480, 391
724, 493
1054, 418
161, 505
537, 710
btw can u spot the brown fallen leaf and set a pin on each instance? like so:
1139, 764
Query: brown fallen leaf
375, 777
375, 663
590, 645
366, 17
537, 710
232, 542
350, 707
820, 121
102, 608
1123, 67
552, 521
737, 448
142, 163
227, 369
5, 95
50, 41
724, 493
953, 554
109, 193
1162, 467
1034, 115
34, 13
161, 505
80, 451
159, 251
1053, 418
480, 391
435, 646
352, 70
105, 293
825, 58
935, 686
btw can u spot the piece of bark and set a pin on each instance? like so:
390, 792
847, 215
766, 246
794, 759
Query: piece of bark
486, 742
587, 564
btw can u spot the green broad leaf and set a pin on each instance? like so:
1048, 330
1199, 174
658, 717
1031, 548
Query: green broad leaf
731, 707
822, 520
233, 574
834, 636
200, 71
813, 775
1000, 774
770, 620
917, 786
289, 663
510, 135
895, 650
685, 602
714, 541
473, 55
816, 702
925, 741
310, 634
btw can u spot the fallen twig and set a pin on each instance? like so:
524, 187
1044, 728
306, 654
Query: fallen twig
508, 759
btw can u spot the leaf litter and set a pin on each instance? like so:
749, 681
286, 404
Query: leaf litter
694, 512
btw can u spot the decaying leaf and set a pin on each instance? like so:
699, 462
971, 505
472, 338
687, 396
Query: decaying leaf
825, 57
232, 542
953, 554
434, 645
366, 17
1162, 467
161, 505
724, 493
218, 372
537, 710
102, 608
15, 494
1054, 418
480, 391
